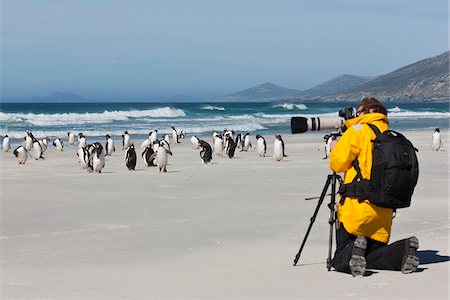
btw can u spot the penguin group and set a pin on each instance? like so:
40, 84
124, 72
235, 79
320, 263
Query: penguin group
228, 142
155, 151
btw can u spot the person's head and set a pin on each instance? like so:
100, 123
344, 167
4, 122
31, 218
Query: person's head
370, 105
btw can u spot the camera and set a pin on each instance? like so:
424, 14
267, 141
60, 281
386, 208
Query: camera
302, 124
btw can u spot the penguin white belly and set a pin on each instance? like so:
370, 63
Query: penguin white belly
28, 143
218, 147
126, 142
161, 159
82, 142
71, 139
174, 136
260, 147
81, 158
111, 147
194, 142
146, 143
37, 151
21, 155
6, 145
246, 144
436, 141
98, 162
278, 150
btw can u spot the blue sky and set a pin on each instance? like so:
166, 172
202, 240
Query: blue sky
153, 50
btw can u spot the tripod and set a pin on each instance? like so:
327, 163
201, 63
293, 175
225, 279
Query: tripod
331, 179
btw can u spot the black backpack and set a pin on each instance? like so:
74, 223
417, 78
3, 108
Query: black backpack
394, 173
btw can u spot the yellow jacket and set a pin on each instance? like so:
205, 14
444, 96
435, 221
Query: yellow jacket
360, 217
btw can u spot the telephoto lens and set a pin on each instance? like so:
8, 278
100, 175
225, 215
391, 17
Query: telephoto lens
302, 124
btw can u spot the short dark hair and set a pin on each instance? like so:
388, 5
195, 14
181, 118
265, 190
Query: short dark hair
374, 104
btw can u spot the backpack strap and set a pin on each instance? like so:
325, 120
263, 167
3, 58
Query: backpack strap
354, 186
375, 129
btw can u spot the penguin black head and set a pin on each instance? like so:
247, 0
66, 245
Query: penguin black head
126, 132
107, 136
278, 136
437, 130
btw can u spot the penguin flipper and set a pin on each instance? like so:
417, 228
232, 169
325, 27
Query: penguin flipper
168, 152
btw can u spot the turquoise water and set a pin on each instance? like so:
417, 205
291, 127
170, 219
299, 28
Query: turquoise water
202, 119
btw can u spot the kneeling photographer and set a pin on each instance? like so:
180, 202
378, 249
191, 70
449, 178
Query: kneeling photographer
363, 228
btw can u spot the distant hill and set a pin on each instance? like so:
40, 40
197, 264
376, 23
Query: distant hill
59, 97
338, 84
262, 92
427, 79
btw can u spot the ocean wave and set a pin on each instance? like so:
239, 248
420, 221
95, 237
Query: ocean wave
394, 109
211, 107
88, 118
291, 106
419, 115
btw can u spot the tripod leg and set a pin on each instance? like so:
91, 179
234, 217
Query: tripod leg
332, 218
313, 218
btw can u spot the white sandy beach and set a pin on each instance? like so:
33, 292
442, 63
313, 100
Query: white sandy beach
230, 229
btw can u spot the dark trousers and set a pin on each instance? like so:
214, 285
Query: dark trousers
378, 255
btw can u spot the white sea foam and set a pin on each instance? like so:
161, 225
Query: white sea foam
395, 109
89, 118
291, 106
211, 107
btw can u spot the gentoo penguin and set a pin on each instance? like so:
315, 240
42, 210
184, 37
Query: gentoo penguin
166, 137
436, 141
218, 146
130, 158
90, 148
84, 157
37, 150
182, 135
98, 160
155, 145
238, 141
58, 143
165, 144
146, 142
206, 152
194, 142
147, 157
160, 157
175, 135
45, 142
153, 136
278, 148
226, 134
126, 140
261, 146
81, 140
246, 142
109, 146
21, 154
29, 141
6, 144
70, 138
231, 146
43, 146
